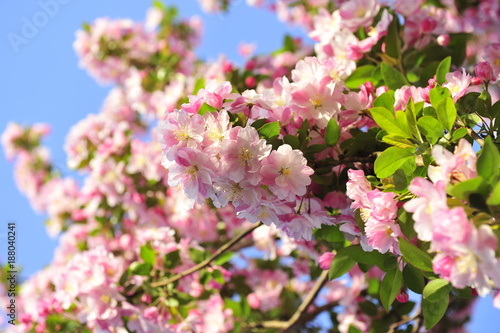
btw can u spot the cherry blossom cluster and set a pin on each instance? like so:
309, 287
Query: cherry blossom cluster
466, 256
334, 175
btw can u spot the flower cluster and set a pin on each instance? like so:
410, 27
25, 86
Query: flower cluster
328, 177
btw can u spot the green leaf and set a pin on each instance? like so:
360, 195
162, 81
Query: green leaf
289, 44
172, 259
332, 132
361, 75
386, 100
415, 256
436, 289
464, 189
392, 159
431, 128
385, 119
393, 78
148, 255
447, 113
489, 160
398, 141
158, 4
437, 94
199, 84
402, 122
356, 253
206, 108
217, 276
313, 149
223, 258
443, 69
458, 134
494, 198
434, 311
196, 255
269, 130
483, 104
340, 265
414, 279
140, 268
392, 40
390, 287
329, 233
411, 120
292, 140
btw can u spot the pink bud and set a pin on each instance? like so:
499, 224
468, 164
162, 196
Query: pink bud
428, 24
227, 67
432, 82
250, 82
146, 298
325, 260
443, 40
484, 71
151, 312
253, 300
250, 65
402, 297
370, 88
475, 81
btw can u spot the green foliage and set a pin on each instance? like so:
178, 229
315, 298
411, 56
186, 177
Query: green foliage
390, 287
415, 256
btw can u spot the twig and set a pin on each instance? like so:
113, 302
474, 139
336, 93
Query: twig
475, 136
405, 320
299, 314
209, 260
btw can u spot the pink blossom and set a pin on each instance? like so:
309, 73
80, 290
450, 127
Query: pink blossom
457, 82
403, 95
432, 198
180, 130
286, 172
456, 167
472, 263
492, 56
358, 188
267, 287
358, 13
241, 154
193, 171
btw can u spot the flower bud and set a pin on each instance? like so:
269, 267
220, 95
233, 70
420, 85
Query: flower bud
325, 260
443, 40
403, 296
250, 82
484, 71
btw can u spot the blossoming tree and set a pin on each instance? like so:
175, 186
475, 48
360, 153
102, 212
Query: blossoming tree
332, 176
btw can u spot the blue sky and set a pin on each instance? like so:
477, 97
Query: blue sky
40, 81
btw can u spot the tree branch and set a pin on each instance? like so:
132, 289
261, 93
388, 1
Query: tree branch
300, 313
209, 260
405, 320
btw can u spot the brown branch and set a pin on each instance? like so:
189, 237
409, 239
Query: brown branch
475, 136
209, 260
300, 314
405, 320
